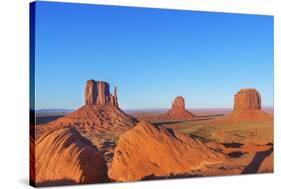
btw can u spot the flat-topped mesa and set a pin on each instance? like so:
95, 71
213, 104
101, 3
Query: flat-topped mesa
98, 93
247, 107
247, 99
178, 110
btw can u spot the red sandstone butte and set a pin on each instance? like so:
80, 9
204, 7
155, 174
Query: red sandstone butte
100, 120
148, 150
63, 156
97, 93
247, 99
247, 107
100, 114
178, 111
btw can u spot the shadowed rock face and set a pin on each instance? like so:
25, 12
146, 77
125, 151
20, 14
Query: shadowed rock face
63, 156
247, 99
247, 107
98, 93
178, 110
148, 150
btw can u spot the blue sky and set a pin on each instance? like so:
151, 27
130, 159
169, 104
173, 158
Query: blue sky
152, 55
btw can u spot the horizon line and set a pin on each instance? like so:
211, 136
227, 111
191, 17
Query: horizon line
135, 109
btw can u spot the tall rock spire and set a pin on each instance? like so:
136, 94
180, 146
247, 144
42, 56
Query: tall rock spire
115, 91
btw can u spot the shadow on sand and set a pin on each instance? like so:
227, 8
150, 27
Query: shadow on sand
233, 145
211, 115
160, 123
61, 182
253, 167
153, 177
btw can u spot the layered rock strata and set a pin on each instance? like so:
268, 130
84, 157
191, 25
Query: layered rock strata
63, 156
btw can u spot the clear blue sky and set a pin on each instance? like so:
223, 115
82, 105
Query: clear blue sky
152, 55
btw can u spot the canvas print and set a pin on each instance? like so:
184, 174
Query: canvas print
122, 94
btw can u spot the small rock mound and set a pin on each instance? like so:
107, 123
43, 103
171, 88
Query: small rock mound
178, 111
247, 107
63, 156
148, 150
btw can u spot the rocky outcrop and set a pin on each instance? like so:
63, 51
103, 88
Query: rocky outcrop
98, 93
147, 150
97, 122
100, 120
63, 156
247, 107
94, 120
247, 99
178, 111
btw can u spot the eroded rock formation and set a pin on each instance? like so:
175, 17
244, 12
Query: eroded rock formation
93, 120
98, 93
148, 150
178, 111
63, 156
178, 104
247, 107
247, 99
100, 119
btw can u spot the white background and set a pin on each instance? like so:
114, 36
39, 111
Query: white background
14, 60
